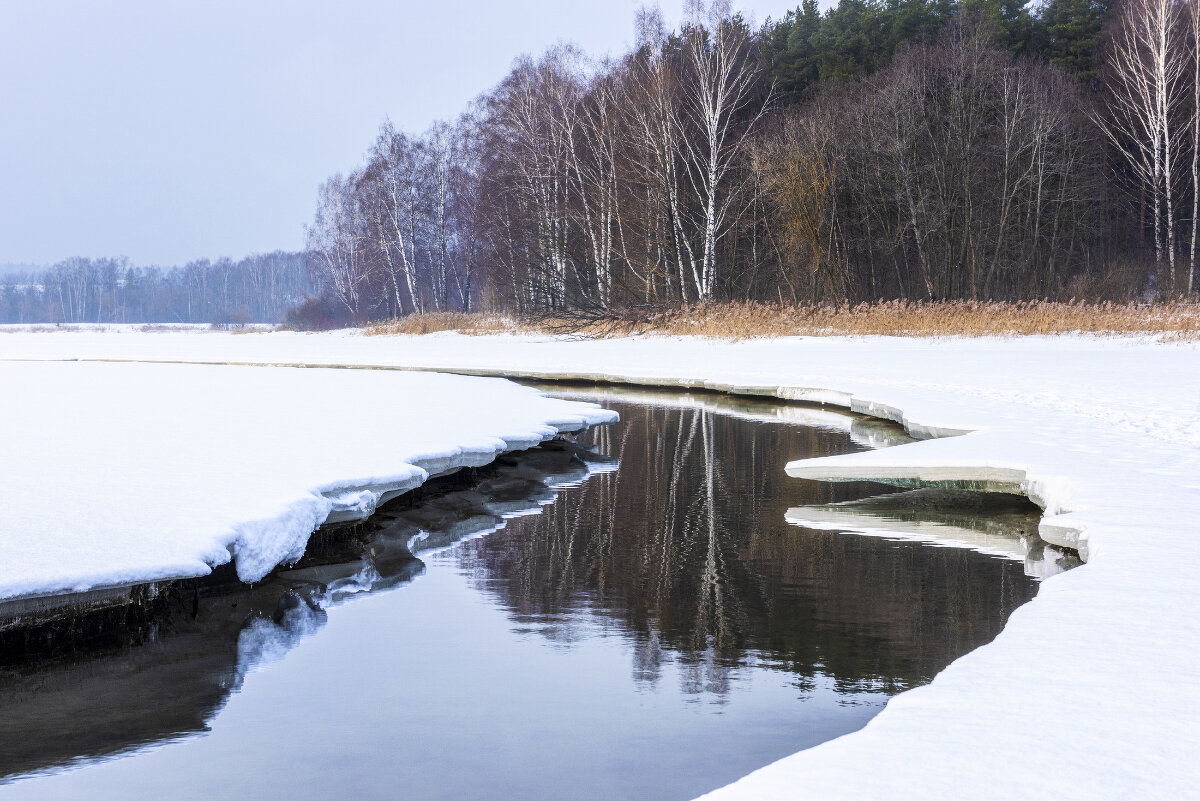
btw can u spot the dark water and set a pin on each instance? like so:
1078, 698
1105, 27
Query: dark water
657, 631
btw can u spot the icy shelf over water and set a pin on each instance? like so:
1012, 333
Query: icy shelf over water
115, 474
988, 523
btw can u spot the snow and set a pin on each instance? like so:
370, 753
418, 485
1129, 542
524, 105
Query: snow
116, 474
1089, 692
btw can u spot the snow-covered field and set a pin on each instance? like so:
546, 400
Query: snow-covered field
1090, 691
114, 474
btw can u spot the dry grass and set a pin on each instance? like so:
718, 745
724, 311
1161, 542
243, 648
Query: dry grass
1169, 321
948, 318
451, 321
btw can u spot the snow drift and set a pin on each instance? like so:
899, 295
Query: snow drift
114, 474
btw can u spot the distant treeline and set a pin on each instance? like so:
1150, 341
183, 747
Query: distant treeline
918, 149
259, 288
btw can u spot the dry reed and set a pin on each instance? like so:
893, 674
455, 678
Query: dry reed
463, 323
1169, 321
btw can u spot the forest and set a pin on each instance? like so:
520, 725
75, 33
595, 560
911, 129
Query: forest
259, 288
882, 149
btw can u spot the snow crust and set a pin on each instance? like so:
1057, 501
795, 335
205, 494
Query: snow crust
1089, 692
113, 474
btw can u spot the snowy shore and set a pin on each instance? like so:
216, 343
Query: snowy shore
1090, 691
120, 474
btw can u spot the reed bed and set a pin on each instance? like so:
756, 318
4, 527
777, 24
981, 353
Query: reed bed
941, 319
1169, 321
463, 323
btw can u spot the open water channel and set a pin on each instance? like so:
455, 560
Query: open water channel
628, 616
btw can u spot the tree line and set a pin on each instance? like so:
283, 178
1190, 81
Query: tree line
915, 149
258, 288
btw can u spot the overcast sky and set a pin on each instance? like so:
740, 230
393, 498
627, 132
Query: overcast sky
168, 131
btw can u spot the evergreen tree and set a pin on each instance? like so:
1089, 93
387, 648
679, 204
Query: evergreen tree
855, 38
789, 52
1070, 33
1011, 19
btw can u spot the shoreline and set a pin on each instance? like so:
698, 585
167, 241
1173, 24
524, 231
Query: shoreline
1104, 433
225, 467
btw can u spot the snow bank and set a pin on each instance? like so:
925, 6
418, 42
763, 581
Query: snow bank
115, 474
1090, 690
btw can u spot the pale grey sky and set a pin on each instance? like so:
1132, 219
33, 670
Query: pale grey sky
167, 131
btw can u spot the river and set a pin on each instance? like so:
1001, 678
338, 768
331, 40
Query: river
626, 616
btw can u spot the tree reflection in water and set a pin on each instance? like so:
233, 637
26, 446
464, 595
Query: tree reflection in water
681, 560
685, 551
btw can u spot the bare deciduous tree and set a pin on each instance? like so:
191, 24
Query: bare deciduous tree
337, 240
1147, 65
720, 109
798, 164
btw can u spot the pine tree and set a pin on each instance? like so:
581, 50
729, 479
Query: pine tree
1070, 35
789, 51
855, 38
1012, 20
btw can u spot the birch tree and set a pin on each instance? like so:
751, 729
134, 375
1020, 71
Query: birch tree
438, 151
653, 147
594, 160
337, 243
1147, 65
395, 203
532, 103
1193, 26
465, 201
720, 108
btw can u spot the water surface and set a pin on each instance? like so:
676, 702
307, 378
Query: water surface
658, 630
